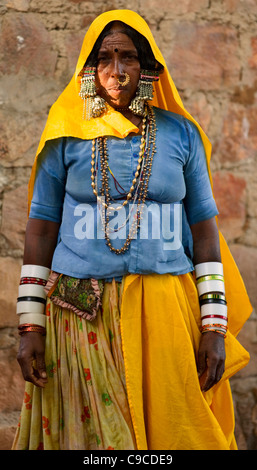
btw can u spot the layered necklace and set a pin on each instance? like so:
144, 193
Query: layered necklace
138, 190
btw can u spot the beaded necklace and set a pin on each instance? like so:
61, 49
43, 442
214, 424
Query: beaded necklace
139, 185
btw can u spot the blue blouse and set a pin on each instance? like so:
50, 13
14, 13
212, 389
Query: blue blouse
179, 195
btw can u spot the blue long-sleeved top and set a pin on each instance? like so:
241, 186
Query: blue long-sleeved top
179, 195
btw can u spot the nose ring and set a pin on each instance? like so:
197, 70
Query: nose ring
124, 82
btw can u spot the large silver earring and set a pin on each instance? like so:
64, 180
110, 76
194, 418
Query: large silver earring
93, 105
144, 91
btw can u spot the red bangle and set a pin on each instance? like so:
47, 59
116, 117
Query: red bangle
222, 333
215, 316
214, 325
26, 327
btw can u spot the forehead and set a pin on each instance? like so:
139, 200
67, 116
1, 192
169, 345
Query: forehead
117, 40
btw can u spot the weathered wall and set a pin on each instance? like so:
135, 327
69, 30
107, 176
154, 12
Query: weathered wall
211, 49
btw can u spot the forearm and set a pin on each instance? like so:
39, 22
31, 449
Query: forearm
40, 242
211, 353
206, 242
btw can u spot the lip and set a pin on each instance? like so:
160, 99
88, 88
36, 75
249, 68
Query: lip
117, 88
116, 91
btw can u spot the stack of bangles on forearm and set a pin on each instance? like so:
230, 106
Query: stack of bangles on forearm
32, 299
211, 291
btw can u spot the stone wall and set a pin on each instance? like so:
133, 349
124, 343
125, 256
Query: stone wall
211, 49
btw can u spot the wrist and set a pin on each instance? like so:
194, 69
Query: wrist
31, 328
211, 290
31, 299
213, 333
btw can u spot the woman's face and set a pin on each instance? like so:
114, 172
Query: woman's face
117, 56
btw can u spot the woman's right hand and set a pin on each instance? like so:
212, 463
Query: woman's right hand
40, 242
31, 357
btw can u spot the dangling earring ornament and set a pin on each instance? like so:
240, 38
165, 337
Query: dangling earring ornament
94, 105
144, 91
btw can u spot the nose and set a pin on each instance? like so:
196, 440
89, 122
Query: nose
117, 68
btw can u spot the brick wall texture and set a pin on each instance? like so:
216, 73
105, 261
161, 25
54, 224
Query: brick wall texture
210, 47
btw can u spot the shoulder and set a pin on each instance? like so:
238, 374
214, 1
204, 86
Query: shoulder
52, 148
170, 119
167, 120
60, 146
174, 118
61, 142
167, 115
176, 125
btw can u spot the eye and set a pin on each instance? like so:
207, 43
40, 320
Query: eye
103, 58
131, 57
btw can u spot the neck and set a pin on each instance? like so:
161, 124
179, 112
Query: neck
128, 114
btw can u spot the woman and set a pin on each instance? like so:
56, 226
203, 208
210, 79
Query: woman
134, 332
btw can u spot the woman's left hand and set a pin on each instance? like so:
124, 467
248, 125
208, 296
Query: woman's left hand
211, 359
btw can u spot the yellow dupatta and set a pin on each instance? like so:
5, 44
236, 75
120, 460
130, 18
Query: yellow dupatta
65, 119
65, 116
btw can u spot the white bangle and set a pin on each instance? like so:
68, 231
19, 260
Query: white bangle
211, 291
33, 318
31, 296
27, 306
31, 290
205, 269
214, 321
211, 286
33, 270
209, 277
213, 308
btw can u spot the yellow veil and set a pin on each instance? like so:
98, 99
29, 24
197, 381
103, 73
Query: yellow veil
65, 116
65, 119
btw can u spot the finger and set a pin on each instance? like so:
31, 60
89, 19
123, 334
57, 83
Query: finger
40, 365
210, 376
31, 375
39, 371
26, 365
220, 371
201, 364
37, 380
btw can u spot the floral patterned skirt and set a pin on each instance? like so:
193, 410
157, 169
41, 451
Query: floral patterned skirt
84, 405
128, 379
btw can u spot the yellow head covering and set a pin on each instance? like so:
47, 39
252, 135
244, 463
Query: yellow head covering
65, 119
